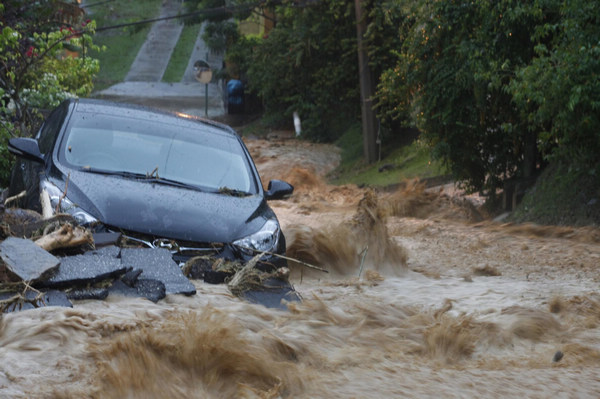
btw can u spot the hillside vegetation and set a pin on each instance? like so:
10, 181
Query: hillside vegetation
499, 91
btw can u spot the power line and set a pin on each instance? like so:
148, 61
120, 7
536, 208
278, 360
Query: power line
96, 4
208, 11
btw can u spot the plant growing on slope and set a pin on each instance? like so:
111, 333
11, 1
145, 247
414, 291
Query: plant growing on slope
36, 73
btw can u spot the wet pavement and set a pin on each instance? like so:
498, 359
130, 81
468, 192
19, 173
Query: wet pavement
152, 59
143, 84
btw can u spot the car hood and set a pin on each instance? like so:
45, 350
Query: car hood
167, 211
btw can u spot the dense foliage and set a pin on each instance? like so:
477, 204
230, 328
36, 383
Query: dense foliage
197, 11
559, 91
497, 87
36, 73
452, 71
308, 64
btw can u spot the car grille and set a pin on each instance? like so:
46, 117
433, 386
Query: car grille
181, 250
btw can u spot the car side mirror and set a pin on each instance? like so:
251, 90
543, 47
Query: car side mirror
278, 189
27, 148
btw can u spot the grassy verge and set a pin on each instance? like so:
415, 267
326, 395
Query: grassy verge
181, 54
398, 162
401, 160
121, 44
561, 196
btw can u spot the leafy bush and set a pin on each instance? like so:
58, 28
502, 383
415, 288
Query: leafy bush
499, 88
308, 64
559, 90
35, 71
219, 35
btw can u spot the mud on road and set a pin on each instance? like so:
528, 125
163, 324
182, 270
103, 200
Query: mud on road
425, 298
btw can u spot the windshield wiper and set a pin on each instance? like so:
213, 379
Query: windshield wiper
100, 171
150, 178
132, 175
169, 182
233, 192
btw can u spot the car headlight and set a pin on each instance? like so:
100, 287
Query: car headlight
58, 201
264, 240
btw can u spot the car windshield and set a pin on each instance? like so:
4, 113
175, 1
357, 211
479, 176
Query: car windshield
190, 153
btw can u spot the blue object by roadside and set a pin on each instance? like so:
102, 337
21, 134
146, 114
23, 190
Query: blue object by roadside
235, 96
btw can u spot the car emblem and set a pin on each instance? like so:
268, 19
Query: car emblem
165, 243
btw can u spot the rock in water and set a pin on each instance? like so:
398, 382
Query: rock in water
557, 356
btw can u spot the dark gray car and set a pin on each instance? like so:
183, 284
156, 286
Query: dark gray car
161, 179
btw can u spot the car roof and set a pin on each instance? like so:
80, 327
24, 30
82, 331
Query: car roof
134, 111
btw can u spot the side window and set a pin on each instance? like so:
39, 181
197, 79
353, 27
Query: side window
50, 129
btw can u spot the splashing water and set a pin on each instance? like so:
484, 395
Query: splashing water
442, 308
347, 247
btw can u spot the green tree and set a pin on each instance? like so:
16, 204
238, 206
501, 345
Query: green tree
308, 64
559, 91
451, 80
391, 23
35, 72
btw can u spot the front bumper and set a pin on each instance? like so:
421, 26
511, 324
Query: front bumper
182, 251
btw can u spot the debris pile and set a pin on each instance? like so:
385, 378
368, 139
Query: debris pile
251, 281
49, 262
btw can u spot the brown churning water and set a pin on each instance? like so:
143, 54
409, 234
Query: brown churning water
404, 312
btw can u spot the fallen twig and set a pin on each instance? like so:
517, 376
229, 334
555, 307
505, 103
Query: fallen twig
287, 258
57, 210
20, 298
362, 260
15, 197
245, 278
46, 205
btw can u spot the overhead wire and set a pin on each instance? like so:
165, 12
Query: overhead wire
208, 11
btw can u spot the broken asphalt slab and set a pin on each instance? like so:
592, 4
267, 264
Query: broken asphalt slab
152, 290
158, 264
27, 261
110, 250
274, 294
82, 270
134, 272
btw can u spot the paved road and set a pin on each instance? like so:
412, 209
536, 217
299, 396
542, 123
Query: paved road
152, 59
143, 86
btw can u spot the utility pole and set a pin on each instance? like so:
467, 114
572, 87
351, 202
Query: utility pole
369, 122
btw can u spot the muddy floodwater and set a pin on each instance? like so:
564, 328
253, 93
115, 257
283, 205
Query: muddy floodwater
426, 297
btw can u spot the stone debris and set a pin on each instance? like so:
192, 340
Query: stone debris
158, 264
274, 293
269, 288
85, 270
24, 260
251, 281
32, 277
